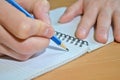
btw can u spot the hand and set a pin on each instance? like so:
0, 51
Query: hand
20, 36
100, 12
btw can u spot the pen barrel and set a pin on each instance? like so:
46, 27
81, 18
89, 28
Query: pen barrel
16, 5
56, 40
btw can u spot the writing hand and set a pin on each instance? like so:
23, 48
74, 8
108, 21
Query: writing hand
20, 36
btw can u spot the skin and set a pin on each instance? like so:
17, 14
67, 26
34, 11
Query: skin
101, 13
21, 37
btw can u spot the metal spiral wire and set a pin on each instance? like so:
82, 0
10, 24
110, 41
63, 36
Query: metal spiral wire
71, 39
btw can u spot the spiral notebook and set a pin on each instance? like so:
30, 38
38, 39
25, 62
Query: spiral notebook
54, 56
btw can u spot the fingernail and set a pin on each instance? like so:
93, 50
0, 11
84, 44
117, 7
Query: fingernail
104, 38
101, 37
81, 33
61, 19
48, 32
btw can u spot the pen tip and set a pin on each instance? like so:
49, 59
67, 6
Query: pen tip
67, 49
63, 46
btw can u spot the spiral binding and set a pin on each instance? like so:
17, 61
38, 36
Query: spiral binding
71, 39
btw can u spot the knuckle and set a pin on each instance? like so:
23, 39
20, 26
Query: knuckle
86, 21
23, 30
42, 3
102, 14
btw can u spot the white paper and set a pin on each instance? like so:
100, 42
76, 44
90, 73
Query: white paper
53, 56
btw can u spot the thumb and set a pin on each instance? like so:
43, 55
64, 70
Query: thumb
35, 28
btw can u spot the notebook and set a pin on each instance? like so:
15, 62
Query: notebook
53, 56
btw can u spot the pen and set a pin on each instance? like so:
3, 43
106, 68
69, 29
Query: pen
53, 38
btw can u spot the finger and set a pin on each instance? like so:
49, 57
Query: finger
72, 11
24, 53
6, 51
87, 21
9, 52
1, 54
116, 22
26, 4
103, 25
34, 27
41, 9
23, 48
21, 26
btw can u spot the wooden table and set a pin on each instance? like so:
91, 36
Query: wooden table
101, 64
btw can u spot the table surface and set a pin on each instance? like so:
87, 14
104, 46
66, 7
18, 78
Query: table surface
101, 64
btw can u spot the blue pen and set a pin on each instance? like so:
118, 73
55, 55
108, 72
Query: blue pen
54, 38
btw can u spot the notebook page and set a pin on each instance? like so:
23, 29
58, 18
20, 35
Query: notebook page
70, 28
44, 62
47, 60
